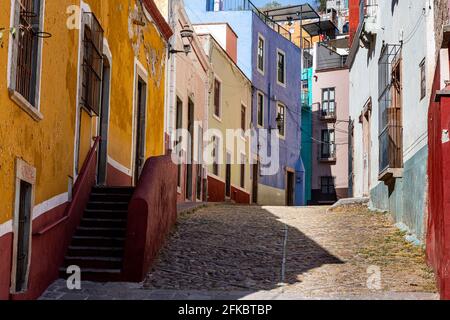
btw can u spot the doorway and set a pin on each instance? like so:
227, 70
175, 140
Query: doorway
141, 106
366, 150
104, 124
290, 188
23, 238
255, 175
228, 177
190, 155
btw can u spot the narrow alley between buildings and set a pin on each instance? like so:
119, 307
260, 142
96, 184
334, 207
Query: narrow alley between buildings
250, 252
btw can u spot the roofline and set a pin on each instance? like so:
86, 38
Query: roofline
158, 18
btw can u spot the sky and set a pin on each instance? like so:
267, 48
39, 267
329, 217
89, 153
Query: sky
283, 2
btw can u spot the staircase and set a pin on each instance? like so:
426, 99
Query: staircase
98, 244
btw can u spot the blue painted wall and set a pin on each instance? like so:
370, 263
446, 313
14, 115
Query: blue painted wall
288, 95
247, 26
306, 148
406, 202
240, 21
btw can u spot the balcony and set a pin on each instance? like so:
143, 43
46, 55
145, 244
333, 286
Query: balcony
305, 98
247, 5
368, 19
328, 114
328, 59
328, 153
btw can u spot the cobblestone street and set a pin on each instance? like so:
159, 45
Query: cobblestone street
239, 252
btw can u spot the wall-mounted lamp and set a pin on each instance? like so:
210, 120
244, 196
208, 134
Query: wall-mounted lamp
187, 35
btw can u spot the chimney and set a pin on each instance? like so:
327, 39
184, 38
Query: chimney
231, 46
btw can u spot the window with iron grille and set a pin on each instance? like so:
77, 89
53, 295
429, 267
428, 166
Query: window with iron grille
217, 97
328, 149
179, 125
92, 63
27, 42
390, 108
423, 83
327, 185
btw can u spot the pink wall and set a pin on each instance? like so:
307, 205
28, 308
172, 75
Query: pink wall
339, 79
192, 73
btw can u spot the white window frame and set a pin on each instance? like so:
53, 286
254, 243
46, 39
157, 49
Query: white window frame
217, 117
282, 136
279, 51
261, 71
32, 109
24, 172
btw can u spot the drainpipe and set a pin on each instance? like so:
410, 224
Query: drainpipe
170, 78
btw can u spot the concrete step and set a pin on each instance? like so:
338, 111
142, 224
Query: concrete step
110, 197
102, 232
107, 205
98, 275
105, 214
97, 241
87, 262
103, 223
91, 251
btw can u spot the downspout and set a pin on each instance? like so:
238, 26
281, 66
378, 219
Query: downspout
170, 79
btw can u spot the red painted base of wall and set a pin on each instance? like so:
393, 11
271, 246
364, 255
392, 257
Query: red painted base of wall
239, 196
51, 236
216, 190
117, 178
5, 265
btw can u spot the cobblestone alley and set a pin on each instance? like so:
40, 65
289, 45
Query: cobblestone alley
249, 252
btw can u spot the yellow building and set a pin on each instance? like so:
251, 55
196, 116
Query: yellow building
71, 73
230, 103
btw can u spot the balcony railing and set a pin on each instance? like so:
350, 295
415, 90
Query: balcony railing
391, 142
247, 5
328, 153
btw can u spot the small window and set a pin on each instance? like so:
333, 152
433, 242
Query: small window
260, 109
281, 119
328, 149
327, 186
242, 180
423, 83
328, 102
281, 67
261, 54
217, 97
243, 119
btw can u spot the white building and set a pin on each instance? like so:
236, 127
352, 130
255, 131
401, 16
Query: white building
392, 63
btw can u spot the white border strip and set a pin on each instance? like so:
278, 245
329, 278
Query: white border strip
50, 204
38, 210
6, 228
119, 166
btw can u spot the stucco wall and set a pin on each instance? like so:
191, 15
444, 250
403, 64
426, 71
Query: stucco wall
420, 44
236, 91
288, 95
337, 79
